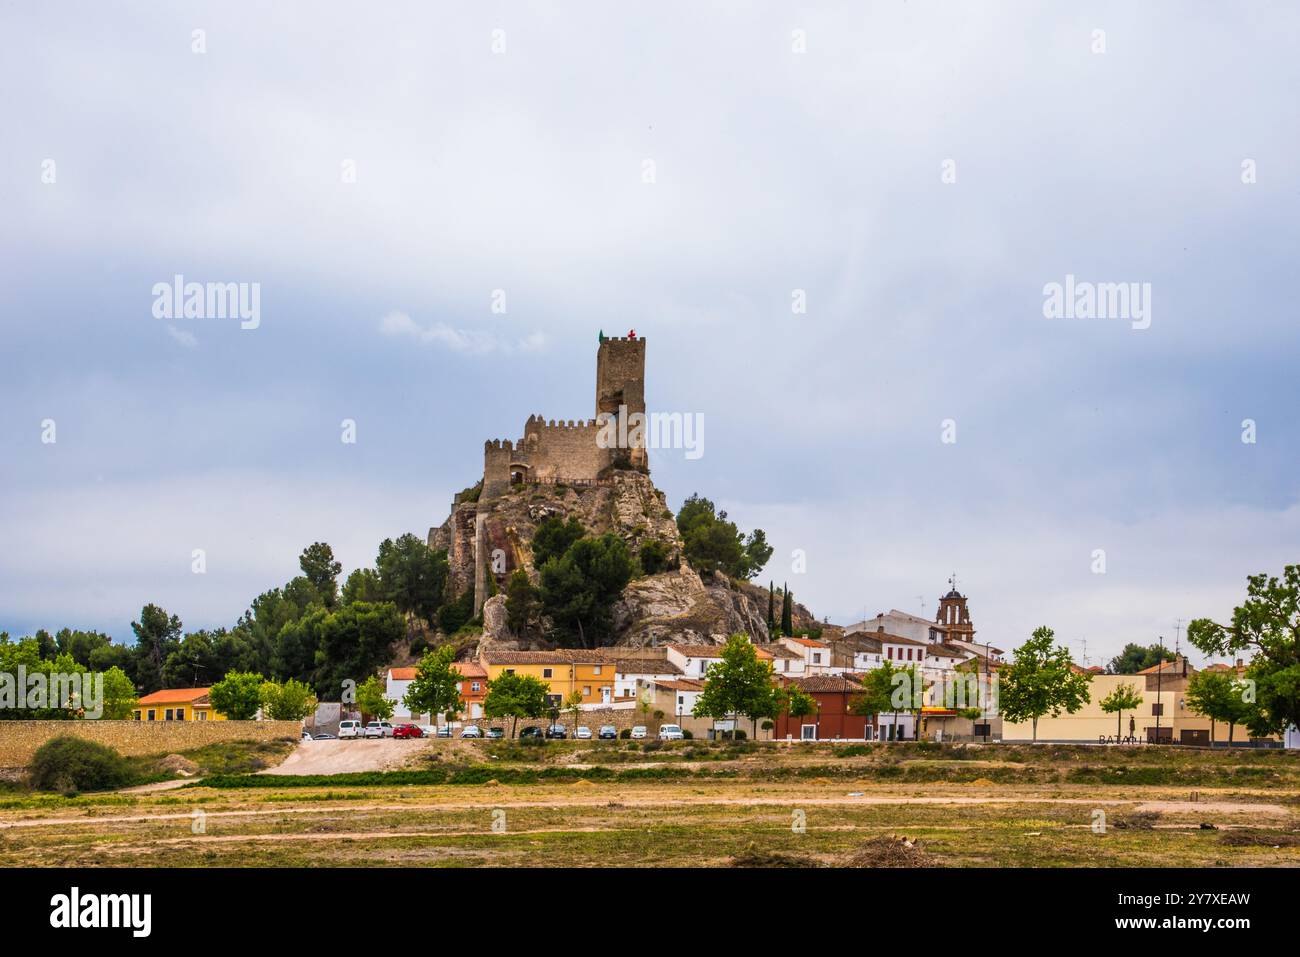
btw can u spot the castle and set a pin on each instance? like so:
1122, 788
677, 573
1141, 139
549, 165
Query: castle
570, 452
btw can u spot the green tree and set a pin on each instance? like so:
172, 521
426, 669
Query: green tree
653, 556
413, 575
436, 688
194, 663
771, 607
237, 695
573, 705
1135, 658
713, 543
291, 701
1220, 696
119, 695
372, 700
1125, 697
797, 703
457, 613
319, 567
553, 537
1041, 680
516, 696
522, 603
364, 585
157, 635
787, 611
1267, 623
738, 684
355, 640
578, 590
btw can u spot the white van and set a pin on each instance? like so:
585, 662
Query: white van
350, 729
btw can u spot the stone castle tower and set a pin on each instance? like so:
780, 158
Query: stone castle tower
572, 452
953, 615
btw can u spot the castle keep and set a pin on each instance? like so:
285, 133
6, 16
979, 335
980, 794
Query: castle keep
568, 452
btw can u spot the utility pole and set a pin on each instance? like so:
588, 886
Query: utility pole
1160, 670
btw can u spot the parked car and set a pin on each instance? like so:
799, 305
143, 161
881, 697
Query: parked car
582, 731
407, 731
444, 731
670, 732
350, 729
557, 731
496, 734
427, 730
306, 735
607, 732
471, 731
638, 731
532, 731
325, 736
379, 729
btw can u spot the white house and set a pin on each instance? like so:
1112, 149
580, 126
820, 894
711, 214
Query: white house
694, 660
629, 672
816, 655
899, 623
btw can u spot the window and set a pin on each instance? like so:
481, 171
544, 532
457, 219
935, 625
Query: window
596, 670
586, 691
808, 732
153, 715
137, 715
474, 686
200, 716
889, 652
167, 715
817, 657
180, 714
510, 671
1157, 709
546, 672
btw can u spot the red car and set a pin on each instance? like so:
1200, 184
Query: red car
407, 731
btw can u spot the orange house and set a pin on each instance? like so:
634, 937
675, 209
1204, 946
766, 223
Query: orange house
177, 704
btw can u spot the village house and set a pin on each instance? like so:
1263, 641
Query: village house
177, 704
472, 689
816, 654
833, 720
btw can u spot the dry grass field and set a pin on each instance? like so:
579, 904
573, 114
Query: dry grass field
458, 803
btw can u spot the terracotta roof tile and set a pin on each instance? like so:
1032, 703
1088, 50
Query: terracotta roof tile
176, 696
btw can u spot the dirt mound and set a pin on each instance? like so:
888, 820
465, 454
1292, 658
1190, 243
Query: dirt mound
755, 856
1254, 838
178, 764
891, 850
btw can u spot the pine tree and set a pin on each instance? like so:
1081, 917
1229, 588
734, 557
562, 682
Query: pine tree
771, 607
787, 612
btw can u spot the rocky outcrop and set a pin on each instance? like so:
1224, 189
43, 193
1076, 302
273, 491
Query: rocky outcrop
495, 537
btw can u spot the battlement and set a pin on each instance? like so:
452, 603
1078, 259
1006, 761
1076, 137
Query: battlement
567, 450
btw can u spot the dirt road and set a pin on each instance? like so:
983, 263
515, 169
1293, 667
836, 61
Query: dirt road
340, 757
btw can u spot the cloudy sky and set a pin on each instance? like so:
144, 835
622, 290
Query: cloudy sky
506, 146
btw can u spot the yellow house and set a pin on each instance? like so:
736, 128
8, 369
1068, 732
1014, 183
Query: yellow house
1163, 715
177, 704
590, 673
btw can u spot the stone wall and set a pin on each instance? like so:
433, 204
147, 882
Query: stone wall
20, 739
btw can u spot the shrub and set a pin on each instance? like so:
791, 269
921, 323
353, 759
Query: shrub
625, 733
654, 557
68, 763
687, 735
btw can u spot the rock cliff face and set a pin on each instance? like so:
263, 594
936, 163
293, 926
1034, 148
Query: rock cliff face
672, 606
